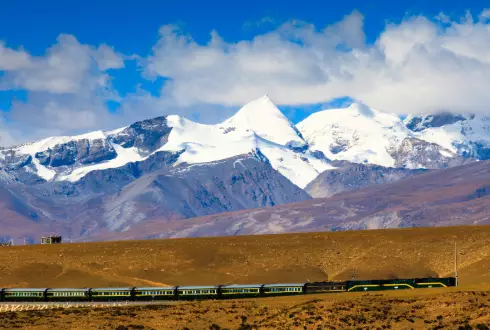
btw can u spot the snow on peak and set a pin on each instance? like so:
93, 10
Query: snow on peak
48, 143
263, 118
468, 135
357, 133
420, 122
47, 173
243, 134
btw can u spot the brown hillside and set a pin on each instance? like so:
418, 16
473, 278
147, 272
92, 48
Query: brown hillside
414, 252
449, 197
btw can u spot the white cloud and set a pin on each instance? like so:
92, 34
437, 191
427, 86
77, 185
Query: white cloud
415, 66
107, 58
11, 59
68, 67
485, 14
67, 87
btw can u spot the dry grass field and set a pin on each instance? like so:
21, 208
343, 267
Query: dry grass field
414, 252
424, 309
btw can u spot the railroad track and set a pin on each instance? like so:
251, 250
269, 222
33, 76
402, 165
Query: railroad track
35, 306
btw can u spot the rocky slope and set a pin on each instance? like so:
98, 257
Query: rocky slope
447, 197
350, 176
116, 199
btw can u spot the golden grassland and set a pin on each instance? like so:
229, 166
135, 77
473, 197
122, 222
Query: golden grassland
414, 252
419, 309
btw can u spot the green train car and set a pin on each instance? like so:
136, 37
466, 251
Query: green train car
399, 284
197, 292
67, 294
24, 294
240, 291
154, 293
443, 282
111, 294
284, 289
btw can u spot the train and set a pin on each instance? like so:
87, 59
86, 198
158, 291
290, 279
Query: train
215, 291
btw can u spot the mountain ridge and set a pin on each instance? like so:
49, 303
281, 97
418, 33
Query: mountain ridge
454, 196
357, 134
172, 168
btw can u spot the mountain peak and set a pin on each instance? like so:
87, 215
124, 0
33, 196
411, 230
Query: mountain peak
362, 109
357, 133
266, 120
261, 106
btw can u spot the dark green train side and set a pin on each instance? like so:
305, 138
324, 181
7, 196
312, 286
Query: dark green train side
400, 284
218, 291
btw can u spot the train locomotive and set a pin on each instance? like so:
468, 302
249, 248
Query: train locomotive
216, 292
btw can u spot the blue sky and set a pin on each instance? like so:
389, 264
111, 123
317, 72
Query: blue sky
147, 69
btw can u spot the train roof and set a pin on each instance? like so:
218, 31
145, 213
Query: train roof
68, 289
112, 289
283, 285
155, 288
196, 287
25, 289
241, 286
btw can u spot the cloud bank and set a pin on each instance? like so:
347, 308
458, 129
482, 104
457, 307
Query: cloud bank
417, 65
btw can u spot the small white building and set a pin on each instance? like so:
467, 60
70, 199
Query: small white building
52, 239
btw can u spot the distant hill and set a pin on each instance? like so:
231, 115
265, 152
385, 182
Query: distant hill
369, 254
453, 196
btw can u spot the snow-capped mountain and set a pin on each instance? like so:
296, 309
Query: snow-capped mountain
357, 134
468, 136
264, 119
259, 125
172, 168
360, 134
